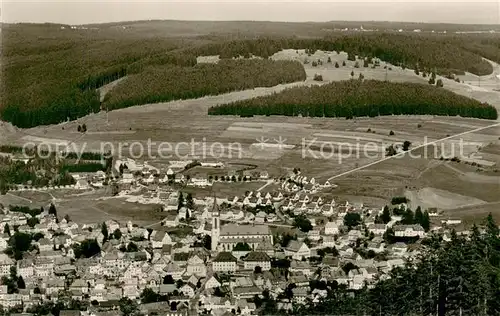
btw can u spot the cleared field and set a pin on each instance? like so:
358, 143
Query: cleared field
431, 197
85, 210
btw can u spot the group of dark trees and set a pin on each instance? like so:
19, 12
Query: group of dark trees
88, 248
88, 167
356, 98
408, 217
168, 83
302, 223
48, 168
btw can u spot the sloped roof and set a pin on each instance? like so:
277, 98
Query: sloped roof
257, 256
225, 257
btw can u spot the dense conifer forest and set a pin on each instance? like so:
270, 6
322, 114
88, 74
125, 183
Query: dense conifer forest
50, 72
160, 84
356, 98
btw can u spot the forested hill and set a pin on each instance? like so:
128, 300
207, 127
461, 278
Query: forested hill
50, 72
356, 98
166, 83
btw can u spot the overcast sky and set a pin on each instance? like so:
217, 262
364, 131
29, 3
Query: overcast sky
93, 11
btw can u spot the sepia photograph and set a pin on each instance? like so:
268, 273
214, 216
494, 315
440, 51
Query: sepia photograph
281, 157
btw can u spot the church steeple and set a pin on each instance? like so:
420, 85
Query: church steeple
215, 225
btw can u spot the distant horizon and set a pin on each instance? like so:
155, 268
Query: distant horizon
75, 12
268, 21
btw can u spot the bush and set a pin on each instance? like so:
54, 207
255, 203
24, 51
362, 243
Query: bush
318, 77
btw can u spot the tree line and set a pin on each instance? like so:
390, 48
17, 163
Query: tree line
442, 54
356, 98
163, 84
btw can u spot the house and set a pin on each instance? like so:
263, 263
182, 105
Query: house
257, 259
188, 290
5, 264
224, 262
159, 239
196, 266
399, 248
314, 234
331, 228
245, 307
301, 267
297, 250
377, 229
376, 247
409, 231
213, 282
174, 270
246, 292
171, 220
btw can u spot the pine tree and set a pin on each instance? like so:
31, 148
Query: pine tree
52, 210
386, 215
189, 201
6, 229
104, 231
20, 283
180, 201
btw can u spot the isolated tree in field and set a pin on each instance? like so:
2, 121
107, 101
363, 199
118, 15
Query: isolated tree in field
361, 77
343, 63
352, 74
391, 133
314, 64
79, 128
406, 145
356, 64
52, 210
318, 77
432, 81
439, 83
329, 59
352, 219
84, 128
337, 65
365, 63
390, 151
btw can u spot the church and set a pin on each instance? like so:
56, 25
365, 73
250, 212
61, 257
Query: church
226, 237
